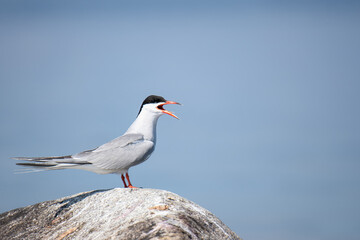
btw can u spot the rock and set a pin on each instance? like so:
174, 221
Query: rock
114, 214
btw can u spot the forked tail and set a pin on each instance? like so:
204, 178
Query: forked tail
52, 163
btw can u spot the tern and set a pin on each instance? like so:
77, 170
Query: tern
118, 155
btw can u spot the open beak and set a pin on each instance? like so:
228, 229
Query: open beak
160, 106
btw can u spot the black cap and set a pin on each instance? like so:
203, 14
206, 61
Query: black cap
152, 99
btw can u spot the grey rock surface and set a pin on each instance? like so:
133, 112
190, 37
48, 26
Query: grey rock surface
114, 214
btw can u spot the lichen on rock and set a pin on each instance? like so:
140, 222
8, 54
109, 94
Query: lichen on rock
114, 214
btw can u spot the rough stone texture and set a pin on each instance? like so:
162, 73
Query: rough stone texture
114, 214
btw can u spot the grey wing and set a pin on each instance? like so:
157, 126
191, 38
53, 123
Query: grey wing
117, 142
119, 154
120, 141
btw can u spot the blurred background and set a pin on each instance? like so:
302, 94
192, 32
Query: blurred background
269, 133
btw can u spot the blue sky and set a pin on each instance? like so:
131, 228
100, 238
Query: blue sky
269, 133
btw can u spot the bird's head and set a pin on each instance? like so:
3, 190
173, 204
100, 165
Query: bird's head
155, 104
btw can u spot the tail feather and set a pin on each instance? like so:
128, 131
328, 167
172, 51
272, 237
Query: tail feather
41, 158
37, 164
50, 162
30, 170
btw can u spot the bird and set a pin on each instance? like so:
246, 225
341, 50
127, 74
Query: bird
117, 156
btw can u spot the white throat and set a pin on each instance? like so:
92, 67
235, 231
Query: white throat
145, 124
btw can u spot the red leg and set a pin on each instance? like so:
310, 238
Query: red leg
130, 185
123, 179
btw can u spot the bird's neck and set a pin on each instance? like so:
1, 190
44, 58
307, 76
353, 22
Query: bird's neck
145, 124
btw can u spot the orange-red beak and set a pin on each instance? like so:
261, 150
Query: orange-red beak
160, 106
